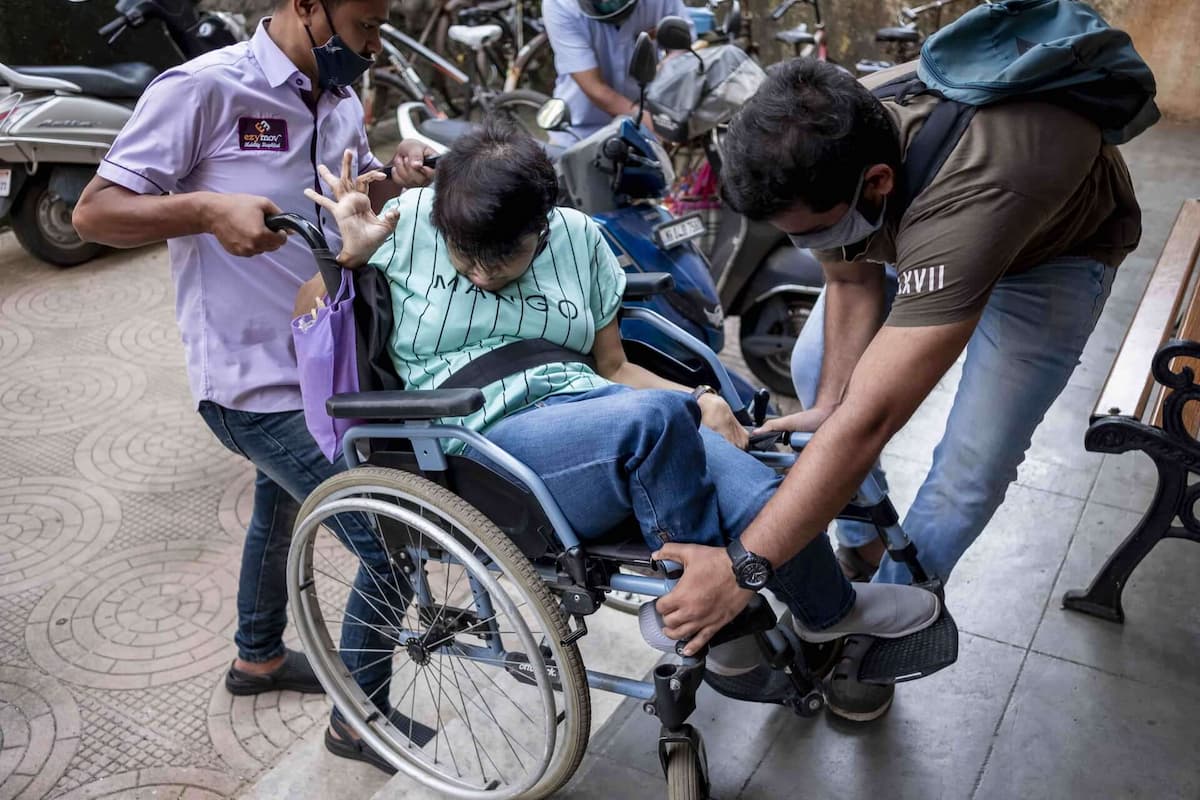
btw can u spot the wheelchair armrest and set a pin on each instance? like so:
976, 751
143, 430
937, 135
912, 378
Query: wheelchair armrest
640, 285
405, 404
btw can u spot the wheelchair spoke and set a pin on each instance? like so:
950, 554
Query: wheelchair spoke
468, 629
466, 717
358, 621
488, 708
383, 598
388, 657
400, 615
500, 691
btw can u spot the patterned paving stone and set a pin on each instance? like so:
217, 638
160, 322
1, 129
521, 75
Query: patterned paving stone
250, 733
128, 730
237, 502
78, 299
46, 395
159, 784
15, 341
149, 616
164, 449
150, 340
153, 517
49, 524
39, 732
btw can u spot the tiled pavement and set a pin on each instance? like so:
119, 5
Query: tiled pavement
121, 521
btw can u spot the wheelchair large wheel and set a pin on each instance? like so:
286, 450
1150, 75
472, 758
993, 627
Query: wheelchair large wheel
485, 700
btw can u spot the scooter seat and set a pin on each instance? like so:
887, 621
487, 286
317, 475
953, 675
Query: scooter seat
446, 131
897, 35
474, 36
795, 36
124, 81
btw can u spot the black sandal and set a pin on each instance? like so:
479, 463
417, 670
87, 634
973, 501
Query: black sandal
347, 745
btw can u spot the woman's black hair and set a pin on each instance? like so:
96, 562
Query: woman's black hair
805, 136
495, 187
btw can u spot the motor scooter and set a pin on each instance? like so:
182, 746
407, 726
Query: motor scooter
58, 122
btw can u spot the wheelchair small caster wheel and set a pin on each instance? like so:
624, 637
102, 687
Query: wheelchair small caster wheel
810, 704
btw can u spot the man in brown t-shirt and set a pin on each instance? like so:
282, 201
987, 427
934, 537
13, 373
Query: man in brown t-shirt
1008, 252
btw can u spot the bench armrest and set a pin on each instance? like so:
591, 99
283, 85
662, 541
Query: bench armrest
405, 404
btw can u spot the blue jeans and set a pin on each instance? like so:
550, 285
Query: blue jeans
290, 466
613, 452
1027, 344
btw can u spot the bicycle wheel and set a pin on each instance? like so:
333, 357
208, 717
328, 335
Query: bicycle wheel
485, 701
519, 108
533, 67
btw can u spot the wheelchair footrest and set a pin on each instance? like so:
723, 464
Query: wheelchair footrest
923, 653
760, 685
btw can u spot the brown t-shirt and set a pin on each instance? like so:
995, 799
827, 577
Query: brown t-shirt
1027, 182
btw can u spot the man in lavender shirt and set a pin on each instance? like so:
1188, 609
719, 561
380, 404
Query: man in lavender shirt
213, 146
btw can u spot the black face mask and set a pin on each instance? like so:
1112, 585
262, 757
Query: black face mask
337, 64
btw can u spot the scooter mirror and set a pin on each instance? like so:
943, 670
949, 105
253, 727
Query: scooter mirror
554, 115
674, 34
644, 64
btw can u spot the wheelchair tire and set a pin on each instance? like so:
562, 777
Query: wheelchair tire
685, 774
543, 672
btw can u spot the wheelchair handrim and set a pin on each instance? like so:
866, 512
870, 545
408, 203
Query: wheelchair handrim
327, 663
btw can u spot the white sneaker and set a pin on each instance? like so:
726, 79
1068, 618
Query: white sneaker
884, 610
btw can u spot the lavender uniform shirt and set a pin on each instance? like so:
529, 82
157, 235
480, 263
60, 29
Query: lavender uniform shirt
234, 121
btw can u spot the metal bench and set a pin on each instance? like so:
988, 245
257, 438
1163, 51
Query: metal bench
1154, 412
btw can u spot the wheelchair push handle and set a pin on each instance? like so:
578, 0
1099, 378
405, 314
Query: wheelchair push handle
331, 273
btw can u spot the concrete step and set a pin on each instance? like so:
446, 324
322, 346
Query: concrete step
612, 645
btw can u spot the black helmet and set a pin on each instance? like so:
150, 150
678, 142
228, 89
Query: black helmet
613, 12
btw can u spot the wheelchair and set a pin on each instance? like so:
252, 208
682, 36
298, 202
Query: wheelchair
488, 695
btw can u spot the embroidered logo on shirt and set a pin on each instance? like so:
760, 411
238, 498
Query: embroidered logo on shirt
263, 133
922, 280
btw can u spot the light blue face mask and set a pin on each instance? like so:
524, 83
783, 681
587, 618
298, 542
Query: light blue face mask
852, 228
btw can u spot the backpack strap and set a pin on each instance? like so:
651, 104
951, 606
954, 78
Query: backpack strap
511, 359
936, 139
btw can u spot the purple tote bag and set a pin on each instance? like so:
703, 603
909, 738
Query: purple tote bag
328, 360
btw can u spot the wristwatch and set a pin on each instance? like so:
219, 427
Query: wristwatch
701, 390
751, 570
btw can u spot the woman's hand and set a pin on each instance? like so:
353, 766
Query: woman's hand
716, 414
362, 231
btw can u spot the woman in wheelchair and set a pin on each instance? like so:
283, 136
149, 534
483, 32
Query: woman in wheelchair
484, 259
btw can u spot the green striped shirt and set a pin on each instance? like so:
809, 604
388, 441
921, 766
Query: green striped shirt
442, 321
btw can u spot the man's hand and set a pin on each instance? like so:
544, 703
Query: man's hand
716, 414
238, 222
406, 169
362, 231
705, 599
807, 420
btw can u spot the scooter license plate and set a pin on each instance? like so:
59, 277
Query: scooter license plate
677, 231
5, 182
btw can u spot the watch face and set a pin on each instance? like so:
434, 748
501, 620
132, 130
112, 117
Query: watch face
755, 574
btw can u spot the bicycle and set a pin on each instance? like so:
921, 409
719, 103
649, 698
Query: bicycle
805, 43
418, 73
905, 39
